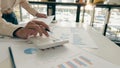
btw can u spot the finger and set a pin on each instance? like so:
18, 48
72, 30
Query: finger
43, 16
44, 31
40, 28
41, 23
31, 33
34, 33
36, 28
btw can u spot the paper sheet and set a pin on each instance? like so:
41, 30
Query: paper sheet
76, 36
68, 56
5, 42
4, 53
47, 20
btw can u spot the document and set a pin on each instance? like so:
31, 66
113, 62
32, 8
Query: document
4, 53
6, 42
28, 56
47, 20
76, 36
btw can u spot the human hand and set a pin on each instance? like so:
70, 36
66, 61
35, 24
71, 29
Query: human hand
32, 29
40, 15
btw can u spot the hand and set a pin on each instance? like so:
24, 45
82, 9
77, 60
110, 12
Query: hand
33, 28
40, 15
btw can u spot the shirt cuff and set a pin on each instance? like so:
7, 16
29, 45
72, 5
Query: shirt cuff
14, 33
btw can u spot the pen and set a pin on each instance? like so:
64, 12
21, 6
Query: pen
12, 57
47, 29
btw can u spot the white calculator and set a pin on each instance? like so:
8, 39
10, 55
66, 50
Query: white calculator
48, 42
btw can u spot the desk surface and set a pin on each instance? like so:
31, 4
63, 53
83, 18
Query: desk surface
107, 49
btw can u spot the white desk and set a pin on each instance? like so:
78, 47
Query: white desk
107, 49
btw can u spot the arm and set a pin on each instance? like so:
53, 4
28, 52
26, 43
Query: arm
5, 27
31, 10
32, 28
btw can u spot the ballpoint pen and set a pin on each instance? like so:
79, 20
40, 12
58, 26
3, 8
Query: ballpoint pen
47, 29
12, 58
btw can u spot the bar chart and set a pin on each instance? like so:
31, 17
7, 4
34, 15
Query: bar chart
77, 62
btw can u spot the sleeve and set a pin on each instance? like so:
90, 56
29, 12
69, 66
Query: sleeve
5, 27
27, 6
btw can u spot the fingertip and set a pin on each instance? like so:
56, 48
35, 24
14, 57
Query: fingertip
47, 35
40, 34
